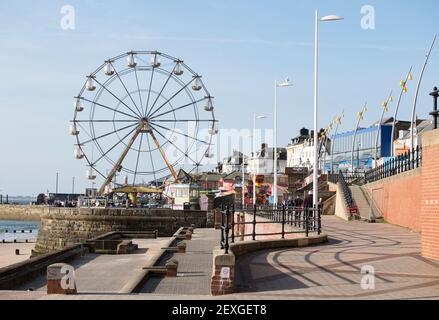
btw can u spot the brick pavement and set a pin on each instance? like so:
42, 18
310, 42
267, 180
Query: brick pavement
333, 271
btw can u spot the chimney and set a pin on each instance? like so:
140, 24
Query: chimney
304, 132
264, 148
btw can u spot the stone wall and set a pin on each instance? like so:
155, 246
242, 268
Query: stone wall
62, 227
22, 212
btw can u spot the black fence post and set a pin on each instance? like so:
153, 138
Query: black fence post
306, 216
222, 226
226, 247
233, 223
319, 219
283, 221
254, 222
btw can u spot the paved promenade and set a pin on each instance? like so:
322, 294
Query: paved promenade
334, 271
101, 274
331, 271
194, 268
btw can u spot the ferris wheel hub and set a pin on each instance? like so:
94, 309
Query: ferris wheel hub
146, 128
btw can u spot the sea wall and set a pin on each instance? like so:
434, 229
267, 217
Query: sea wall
22, 212
62, 227
398, 198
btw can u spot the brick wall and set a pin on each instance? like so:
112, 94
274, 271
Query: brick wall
411, 199
398, 198
430, 195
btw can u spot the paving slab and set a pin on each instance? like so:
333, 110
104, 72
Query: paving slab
101, 274
194, 267
336, 270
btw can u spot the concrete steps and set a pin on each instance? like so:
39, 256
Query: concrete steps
366, 210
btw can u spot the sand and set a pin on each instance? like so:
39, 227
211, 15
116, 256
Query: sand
8, 256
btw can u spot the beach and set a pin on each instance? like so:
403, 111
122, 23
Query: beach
8, 256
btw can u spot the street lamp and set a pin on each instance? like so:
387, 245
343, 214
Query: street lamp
338, 124
316, 82
285, 84
360, 117
385, 106
403, 84
255, 117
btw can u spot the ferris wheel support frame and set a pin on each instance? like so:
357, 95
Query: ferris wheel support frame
121, 158
142, 127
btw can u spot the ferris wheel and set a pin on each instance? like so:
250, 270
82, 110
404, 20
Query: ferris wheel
142, 115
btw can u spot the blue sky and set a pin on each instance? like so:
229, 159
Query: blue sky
239, 46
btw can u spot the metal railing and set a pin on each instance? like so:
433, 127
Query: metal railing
402, 163
302, 220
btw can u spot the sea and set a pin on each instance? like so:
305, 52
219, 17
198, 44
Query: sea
24, 230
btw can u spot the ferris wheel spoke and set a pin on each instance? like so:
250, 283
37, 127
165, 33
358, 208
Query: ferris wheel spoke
161, 91
88, 121
138, 90
167, 101
114, 146
109, 108
125, 87
152, 162
109, 134
183, 134
179, 108
175, 146
85, 130
185, 120
149, 91
118, 99
138, 157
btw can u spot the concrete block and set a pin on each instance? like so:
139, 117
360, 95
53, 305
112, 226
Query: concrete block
59, 279
171, 268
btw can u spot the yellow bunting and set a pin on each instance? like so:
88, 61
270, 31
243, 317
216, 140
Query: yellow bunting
402, 83
410, 77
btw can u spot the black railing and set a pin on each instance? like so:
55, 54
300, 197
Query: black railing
347, 194
302, 220
402, 163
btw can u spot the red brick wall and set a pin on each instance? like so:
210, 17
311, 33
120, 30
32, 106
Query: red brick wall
430, 195
398, 199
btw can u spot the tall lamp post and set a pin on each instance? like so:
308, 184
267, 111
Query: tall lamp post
415, 100
360, 117
316, 82
403, 84
285, 84
57, 182
338, 124
255, 117
385, 106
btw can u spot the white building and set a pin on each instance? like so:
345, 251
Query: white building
263, 161
233, 163
300, 153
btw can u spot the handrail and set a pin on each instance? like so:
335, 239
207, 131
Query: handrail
303, 219
402, 163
